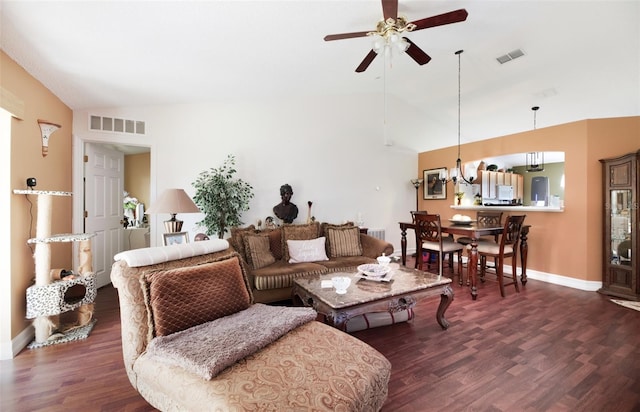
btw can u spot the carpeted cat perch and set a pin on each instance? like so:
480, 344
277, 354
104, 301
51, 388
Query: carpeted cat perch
52, 293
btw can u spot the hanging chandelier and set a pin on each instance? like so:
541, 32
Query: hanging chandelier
535, 160
457, 174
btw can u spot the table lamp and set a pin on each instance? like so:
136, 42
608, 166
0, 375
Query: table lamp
173, 201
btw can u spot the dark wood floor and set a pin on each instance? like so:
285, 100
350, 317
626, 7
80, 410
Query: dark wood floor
548, 348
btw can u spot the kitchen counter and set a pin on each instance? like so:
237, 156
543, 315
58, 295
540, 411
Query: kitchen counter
545, 209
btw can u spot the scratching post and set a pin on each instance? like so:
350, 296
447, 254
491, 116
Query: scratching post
85, 257
43, 231
47, 298
43, 326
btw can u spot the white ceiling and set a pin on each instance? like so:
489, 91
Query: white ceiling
582, 58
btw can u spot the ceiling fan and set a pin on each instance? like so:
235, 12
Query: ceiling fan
389, 32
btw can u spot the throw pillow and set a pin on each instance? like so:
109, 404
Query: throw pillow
324, 226
344, 241
258, 251
236, 240
275, 241
180, 298
307, 250
298, 232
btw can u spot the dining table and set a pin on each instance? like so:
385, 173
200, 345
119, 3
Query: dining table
474, 231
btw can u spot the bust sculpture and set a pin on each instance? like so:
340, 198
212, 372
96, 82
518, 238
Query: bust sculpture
285, 210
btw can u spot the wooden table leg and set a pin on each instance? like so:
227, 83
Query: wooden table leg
445, 300
472, 268
524, 249
403, 245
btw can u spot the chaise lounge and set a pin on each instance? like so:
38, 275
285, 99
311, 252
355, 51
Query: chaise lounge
193, 339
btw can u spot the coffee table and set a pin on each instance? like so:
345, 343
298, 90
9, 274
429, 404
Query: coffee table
402, 292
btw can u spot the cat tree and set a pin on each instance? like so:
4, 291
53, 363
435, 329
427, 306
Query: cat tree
49, 297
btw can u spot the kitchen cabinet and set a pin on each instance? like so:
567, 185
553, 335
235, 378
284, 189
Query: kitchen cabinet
490, 181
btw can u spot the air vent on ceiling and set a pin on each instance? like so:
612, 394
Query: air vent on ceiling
116, 125
510, 56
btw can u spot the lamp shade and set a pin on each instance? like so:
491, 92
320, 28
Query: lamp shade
173, 201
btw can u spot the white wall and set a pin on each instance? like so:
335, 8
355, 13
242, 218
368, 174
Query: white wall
331, 151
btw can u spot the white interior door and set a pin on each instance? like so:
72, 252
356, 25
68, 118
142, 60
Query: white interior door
104, 184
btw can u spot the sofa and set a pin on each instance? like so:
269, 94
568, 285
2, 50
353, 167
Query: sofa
275, 257
194, 339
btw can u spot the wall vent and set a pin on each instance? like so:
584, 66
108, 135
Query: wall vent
377, 233
510, 56
116, 125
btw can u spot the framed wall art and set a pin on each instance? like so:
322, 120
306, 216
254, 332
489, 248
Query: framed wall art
433, 186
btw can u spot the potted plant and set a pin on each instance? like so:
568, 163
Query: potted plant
221, 197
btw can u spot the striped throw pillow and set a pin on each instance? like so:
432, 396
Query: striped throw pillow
258, 251
344, 241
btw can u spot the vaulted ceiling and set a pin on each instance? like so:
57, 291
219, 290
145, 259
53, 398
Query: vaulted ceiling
581, 58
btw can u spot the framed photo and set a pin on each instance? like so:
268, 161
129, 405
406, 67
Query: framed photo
175, 238
433, 186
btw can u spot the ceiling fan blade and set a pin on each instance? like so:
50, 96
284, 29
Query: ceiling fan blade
441, 19
390, 9
417, 53
366, 62
345, 35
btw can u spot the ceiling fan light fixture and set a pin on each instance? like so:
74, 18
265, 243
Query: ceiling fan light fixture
388, 43
392, 27
403, 45
378, 43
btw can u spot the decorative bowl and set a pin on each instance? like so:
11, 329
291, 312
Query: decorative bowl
374, 270
461, 222
383, 260
341, 283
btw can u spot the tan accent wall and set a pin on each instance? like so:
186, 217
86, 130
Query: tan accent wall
137, 175
569, 243
52, 172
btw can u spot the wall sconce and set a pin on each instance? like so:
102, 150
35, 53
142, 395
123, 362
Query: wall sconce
46, 129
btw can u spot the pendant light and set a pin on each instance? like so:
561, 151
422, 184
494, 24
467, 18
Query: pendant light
535, 160
457, 173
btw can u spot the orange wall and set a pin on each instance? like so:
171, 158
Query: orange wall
52, 172
568, 243
137, 170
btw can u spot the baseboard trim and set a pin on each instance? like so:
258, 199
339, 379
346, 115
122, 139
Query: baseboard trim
581, 284
586, 285
9, 349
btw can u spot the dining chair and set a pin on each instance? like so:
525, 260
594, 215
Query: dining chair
417, 212
484, 218
413, 220
507, 247
429, 238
